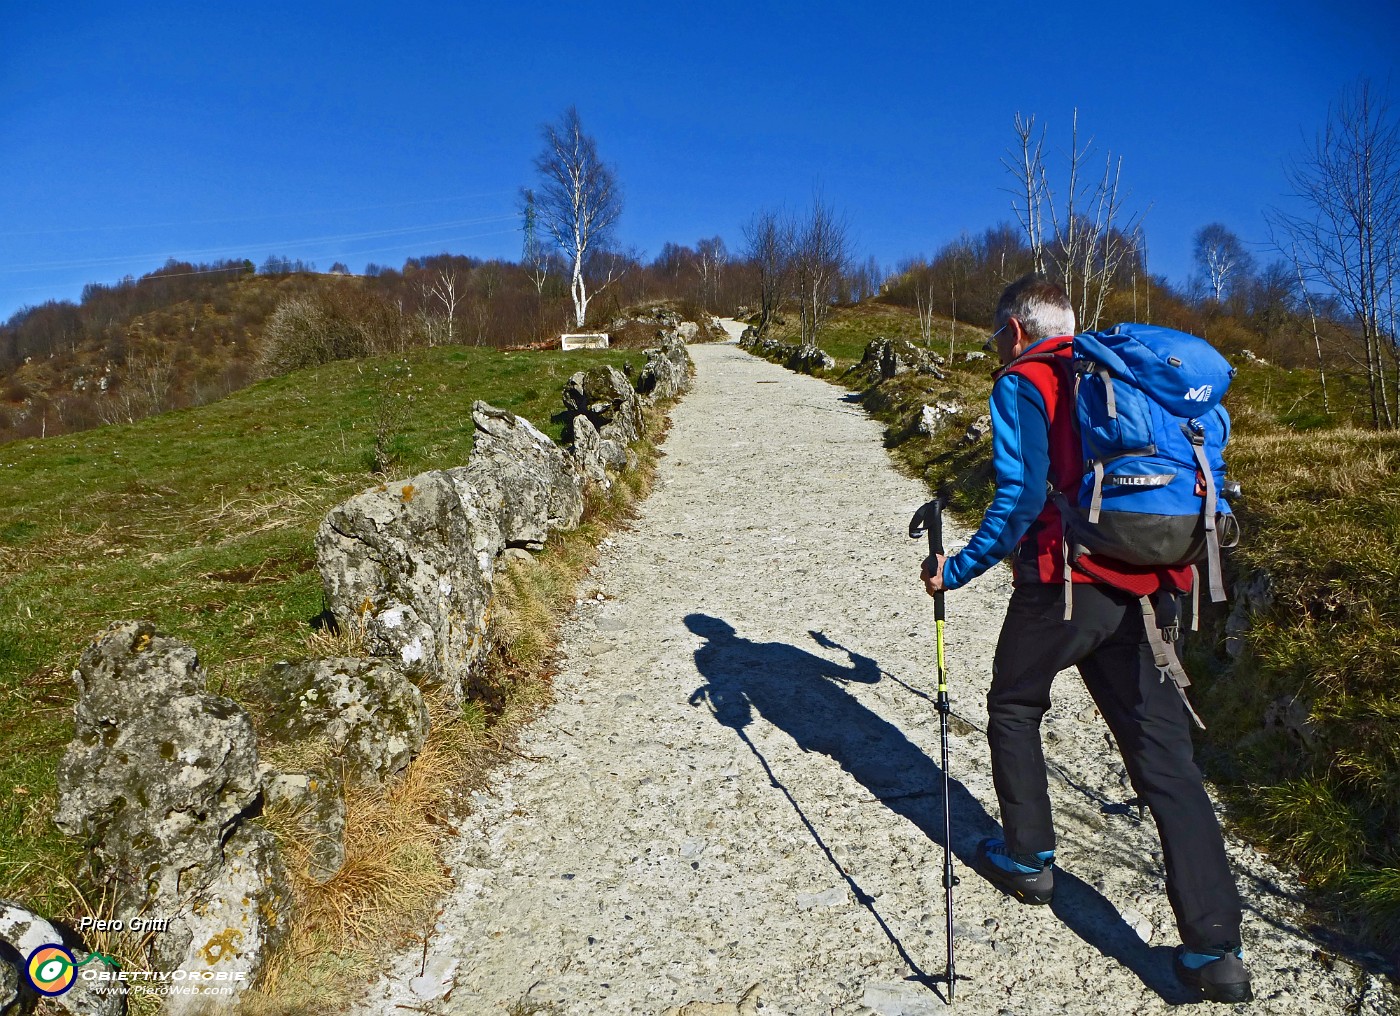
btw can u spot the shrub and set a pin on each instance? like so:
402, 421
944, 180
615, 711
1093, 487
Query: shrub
316, 328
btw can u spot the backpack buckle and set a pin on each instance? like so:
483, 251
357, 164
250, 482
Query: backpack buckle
1168, 615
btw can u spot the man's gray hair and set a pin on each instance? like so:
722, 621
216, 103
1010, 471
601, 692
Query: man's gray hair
1041, 306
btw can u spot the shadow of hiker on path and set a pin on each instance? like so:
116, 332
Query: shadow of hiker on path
801, 693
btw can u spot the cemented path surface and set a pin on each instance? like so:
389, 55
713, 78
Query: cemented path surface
738, 783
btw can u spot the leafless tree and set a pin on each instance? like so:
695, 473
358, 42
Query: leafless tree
711, 257
1317, 339
924, 302
1222, 256
1348, 238
821, 252
1088, 240
961, 258
1028, 167
443, 289
579, 202
144, 389
768, 246
1138, 261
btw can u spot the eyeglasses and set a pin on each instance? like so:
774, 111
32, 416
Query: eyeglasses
991, 344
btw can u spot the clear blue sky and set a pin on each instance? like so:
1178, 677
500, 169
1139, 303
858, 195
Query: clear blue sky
371, 132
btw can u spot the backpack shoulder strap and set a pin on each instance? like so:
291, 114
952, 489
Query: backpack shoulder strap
1051, 355
1065, 366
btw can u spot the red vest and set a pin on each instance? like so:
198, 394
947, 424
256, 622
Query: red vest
1040, 556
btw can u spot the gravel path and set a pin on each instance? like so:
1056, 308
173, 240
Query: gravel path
737, 786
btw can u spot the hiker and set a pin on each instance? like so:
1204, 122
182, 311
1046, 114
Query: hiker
1105, 635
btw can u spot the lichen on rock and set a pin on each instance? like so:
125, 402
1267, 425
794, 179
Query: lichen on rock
396, 569
370, 714
234, 924
522, 478
159, 771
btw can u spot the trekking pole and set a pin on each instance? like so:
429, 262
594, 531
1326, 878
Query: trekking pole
929, 519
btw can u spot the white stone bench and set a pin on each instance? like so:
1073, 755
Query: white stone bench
584, 340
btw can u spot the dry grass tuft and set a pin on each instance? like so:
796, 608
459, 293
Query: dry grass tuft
384, 894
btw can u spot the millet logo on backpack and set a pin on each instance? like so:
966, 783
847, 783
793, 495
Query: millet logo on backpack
1201, 394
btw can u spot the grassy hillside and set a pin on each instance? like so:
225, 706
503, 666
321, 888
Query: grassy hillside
187, 335
1304, 737
202, 521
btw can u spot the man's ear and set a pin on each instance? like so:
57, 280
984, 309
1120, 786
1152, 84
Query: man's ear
1020, 340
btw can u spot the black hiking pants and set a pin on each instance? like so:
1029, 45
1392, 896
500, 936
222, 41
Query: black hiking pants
1106, 639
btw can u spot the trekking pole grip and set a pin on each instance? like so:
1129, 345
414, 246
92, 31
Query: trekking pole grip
929, 519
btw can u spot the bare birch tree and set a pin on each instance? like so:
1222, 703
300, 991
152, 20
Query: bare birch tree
579, 202
1223, 258
1348, 239
710, 259
443, 289
1317, 339
1028, 167
923, 301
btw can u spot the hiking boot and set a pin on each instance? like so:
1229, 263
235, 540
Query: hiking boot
1216, 976
1028, 877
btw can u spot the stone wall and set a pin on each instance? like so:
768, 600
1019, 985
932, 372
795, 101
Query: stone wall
163, 781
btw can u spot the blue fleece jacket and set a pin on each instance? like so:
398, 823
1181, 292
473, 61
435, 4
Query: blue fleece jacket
1021, 455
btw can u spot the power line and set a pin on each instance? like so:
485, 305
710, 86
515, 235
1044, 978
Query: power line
45, 266
251, 218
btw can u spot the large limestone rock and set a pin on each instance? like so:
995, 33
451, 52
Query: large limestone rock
159, 772
607, 398
10, 1002
808, 359
887, 358
369, 713
21, 932
156, 783
661, 316
521, 478
592, 455
410, 563
666, 373
932, 419
805, 359
227, 933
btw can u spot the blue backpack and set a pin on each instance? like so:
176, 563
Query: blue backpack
1153, 434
